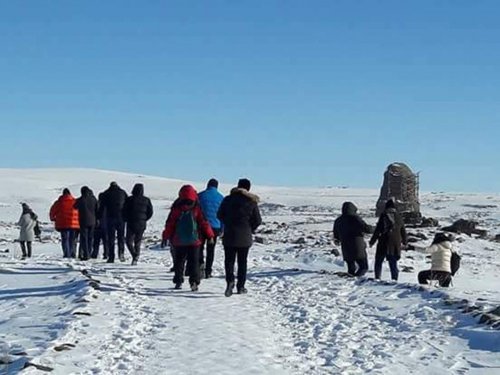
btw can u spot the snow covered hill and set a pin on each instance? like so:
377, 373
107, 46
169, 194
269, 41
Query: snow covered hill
71, 317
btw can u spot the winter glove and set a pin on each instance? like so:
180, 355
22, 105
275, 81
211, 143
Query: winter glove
211, 241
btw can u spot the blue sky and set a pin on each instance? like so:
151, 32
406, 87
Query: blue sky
302, 93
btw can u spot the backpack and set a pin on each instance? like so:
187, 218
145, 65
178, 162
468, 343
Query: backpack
455, 262
37, 230
186, 229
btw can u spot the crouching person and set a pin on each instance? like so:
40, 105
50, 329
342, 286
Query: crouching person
441, 254
184, 229
349, 229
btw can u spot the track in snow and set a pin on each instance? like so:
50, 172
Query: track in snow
291, 322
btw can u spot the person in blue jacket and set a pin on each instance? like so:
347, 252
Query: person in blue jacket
210, 201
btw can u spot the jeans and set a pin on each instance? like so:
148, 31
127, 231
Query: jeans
241, 254
393, 265
68, 242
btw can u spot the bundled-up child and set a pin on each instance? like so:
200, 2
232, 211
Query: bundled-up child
27, 224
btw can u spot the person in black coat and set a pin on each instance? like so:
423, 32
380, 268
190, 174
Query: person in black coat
136, 212
87, 209
111, 210
240, 216
348, 230
391, 235
100, 233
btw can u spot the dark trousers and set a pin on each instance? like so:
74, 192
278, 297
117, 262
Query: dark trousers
393, 265
86, 242
192, 255
134, 240
443, 277
172, 254
116, 233
210, 252
68, 242
100, 234
241, 254
26, 247
362, 267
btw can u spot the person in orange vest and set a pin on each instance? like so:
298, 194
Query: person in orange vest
66, 219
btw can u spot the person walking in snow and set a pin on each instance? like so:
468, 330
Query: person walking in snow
391, 235
210, 201
27, 223
101, 232
111, 210
441, 252
87, 209
66, 218
184, 229
239, 214
348, 230
137, 211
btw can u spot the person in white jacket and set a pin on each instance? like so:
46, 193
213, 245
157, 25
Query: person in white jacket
441, 253
27, 223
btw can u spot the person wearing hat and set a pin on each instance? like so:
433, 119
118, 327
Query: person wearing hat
27, 224
391, 235
210, 201
239, 214
441, 252
111, 211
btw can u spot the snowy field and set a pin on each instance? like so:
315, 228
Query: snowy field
70, 317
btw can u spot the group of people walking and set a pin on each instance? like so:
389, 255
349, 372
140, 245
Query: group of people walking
102, 220
391, 237
193, 226
195, 223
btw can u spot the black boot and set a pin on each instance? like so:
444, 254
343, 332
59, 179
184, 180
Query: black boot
229, 289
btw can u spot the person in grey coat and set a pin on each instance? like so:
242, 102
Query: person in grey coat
27, 224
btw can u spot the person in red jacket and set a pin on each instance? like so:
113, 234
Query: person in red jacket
185, 228
66, 219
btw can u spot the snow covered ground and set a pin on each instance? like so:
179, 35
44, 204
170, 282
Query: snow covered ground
299, 318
